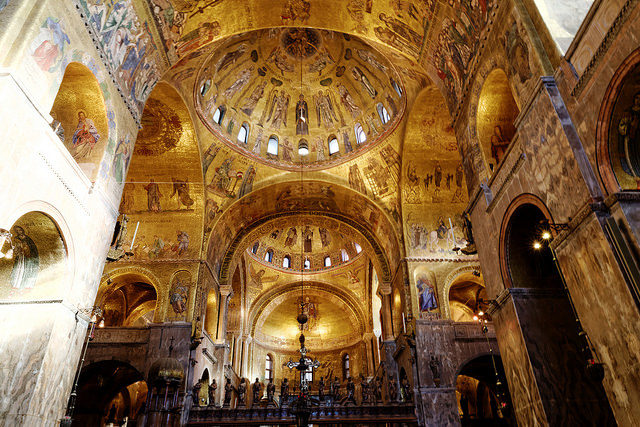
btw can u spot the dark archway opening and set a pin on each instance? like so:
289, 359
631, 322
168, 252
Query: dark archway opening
481, 401
568, 393
110, 392
529, 267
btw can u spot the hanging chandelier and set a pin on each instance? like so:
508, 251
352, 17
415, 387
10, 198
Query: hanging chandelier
302, 405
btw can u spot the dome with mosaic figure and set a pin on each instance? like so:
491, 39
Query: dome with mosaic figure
297, 96
310, 247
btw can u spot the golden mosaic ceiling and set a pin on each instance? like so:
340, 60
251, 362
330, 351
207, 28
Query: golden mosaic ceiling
329, 90
332, 323
319, 242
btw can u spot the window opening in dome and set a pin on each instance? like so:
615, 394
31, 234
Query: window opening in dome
334, 147
286, 262
383, 113
243, 133
218, 115
360, 135
307, 264
254, 249
358, 247
344, 255
396, 86
272, 145
268, 256
327, 262
205, 87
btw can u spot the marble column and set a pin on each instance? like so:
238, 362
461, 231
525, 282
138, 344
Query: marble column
384, 291
244, 367
371, 367
225, 296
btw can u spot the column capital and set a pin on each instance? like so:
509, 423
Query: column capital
384, 288
367, 336
225, 290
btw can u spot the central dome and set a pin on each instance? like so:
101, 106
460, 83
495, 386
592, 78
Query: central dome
269, 93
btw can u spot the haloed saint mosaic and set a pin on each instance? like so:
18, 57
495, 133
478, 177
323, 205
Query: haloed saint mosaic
33, 266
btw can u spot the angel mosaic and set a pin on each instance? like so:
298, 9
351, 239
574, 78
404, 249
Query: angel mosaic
278, 110
348, 102
280, 60
241, 81
359, 75
324, 110
251, 102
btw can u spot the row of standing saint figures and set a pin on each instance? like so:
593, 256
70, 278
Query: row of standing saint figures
370, 392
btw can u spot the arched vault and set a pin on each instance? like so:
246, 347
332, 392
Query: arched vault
232, 232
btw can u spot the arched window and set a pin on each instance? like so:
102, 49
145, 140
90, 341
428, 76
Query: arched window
254, 249
358, 247
383, 113
307, 264
286, 262
360, 135
268, 368
344, 255
268, 256
334, 147
272, 145
243, 133
218, 115
205, 87
346, 373
327, 261
397, 87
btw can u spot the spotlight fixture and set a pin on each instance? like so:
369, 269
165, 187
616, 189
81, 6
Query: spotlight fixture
546, 235
537, 246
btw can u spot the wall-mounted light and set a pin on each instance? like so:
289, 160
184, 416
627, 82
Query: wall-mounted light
537, 245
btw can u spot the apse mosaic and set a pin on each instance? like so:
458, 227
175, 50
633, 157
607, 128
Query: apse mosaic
33, 266
267, 93
332, 321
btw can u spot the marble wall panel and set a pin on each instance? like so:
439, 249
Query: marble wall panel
607, 312
569, 395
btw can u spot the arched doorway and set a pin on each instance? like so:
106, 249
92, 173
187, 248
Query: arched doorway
109, 392
467, 297
555, 352
132, 304
481, 400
